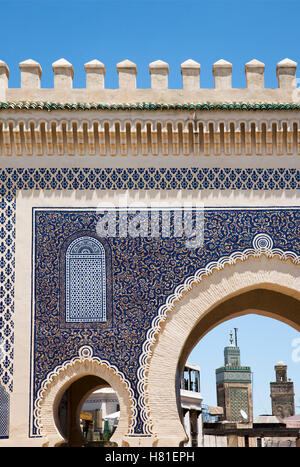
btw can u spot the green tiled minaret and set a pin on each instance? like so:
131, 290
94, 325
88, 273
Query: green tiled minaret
234, 390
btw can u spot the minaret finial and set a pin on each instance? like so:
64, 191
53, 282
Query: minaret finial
231, 340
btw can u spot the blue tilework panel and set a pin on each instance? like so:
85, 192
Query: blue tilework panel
141, 274
152, 178
7, 279
238, 401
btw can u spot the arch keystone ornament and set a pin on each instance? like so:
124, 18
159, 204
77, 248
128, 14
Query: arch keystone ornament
260, 267
56, 383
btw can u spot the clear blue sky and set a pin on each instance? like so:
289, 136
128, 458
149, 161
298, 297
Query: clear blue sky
147, 30
173, 31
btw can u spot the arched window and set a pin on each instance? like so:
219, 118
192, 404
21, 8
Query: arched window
85, 281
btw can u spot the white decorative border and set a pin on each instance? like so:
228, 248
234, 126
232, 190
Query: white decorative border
85, 354
262, 245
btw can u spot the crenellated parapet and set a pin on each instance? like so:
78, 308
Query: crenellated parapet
191, 121
95, 90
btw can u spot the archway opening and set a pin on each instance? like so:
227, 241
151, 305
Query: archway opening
259, 284
233, 404
88, 413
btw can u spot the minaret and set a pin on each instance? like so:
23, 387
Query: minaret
234, 390
282, 393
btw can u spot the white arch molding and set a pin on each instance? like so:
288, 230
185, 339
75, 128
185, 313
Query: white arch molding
63, 376
259, 267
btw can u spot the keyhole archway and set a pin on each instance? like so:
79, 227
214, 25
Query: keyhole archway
70, 408
260, 285
76, 380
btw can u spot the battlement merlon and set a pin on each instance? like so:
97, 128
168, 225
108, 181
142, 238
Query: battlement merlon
127, 92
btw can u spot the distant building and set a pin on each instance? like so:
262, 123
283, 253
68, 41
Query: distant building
194, 412
275, 432
282, 393
265, 431
102, 407
281, 429
293, 422
234, 389
191, 404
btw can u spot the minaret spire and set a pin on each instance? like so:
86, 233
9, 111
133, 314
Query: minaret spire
235, 331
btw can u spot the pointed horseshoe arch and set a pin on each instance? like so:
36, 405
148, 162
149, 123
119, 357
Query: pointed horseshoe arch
258, 283
49, 396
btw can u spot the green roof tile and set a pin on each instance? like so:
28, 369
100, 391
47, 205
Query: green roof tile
150, 106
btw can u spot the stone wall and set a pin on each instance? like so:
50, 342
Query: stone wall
66, 153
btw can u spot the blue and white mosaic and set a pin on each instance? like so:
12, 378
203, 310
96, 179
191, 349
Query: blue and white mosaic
145, 272
151, 179
137, 274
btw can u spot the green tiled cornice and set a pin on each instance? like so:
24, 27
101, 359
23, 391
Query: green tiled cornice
144, 106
